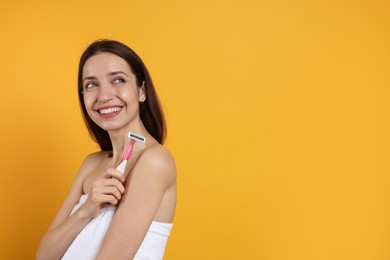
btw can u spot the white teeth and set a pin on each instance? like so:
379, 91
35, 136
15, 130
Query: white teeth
109, 110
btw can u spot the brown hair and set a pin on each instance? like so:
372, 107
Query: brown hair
151, 113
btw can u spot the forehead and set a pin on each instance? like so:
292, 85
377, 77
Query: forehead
103, 63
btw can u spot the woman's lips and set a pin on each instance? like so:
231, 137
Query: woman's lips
108, 112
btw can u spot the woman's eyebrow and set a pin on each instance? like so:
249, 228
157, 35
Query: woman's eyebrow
89, 77
115, 73
108, 75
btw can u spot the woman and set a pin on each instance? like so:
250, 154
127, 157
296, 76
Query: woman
107, 214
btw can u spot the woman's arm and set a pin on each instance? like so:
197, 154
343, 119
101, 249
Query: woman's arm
150, 178
64, 228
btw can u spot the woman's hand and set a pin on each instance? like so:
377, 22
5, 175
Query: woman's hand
106, 189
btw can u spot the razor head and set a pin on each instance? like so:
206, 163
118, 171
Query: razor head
136, 137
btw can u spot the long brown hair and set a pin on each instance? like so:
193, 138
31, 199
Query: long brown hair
151, 113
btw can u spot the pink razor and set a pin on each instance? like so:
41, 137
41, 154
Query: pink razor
129, 150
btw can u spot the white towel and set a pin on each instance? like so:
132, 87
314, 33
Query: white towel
87, 244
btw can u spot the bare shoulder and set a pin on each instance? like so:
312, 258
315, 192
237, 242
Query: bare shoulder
92, 161
157, 162
94, 158
158, 155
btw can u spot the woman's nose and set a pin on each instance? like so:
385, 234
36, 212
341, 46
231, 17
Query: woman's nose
105, 93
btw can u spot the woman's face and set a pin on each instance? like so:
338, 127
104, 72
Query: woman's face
110, 93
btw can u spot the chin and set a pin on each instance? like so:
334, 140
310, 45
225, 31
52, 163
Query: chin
111, 127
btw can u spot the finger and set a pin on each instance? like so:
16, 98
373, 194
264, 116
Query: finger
112, 200
116, 183
105, 198
114, 191
106, 188
114, 173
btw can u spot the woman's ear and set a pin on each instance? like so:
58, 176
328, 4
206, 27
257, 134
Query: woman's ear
142, 93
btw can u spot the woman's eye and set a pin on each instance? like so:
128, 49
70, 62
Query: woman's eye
119, 81
90, 85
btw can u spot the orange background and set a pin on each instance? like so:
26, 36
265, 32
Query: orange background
278, 117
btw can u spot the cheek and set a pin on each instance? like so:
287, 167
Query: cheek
88, 103
130, 96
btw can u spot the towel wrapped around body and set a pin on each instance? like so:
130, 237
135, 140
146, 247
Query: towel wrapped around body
87, 244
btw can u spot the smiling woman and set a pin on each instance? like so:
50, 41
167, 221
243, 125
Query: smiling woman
109, 214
